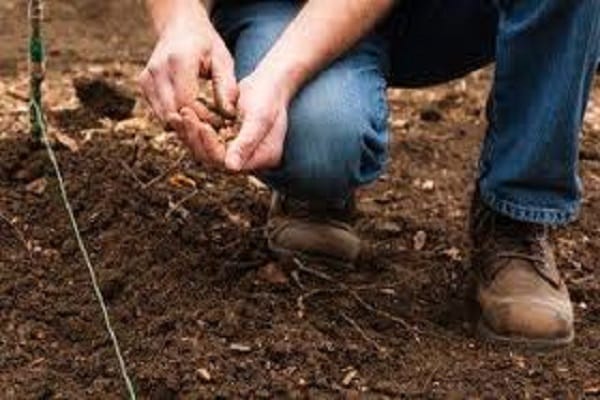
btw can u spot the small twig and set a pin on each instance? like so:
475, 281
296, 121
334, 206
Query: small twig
363, 334
356, 296
302, 298
181, 202
132, 173
296, 278
160, 177
17, 233
153, 181
17, 95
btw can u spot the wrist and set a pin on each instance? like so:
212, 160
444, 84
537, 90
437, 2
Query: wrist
175, 13
285, 74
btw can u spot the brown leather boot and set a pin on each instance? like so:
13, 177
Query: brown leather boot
310, 230
521, 294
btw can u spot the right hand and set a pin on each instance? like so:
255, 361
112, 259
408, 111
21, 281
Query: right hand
189, 48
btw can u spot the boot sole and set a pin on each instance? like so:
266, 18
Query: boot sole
488, 334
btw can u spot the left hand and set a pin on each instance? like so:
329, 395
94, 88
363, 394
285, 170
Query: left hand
263, 113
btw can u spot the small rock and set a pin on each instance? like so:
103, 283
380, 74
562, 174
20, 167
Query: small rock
420, 240
390, 227
428, 185
271, 273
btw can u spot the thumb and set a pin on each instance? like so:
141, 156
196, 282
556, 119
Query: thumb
252, 133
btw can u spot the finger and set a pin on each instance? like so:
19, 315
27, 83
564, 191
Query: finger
204, 114
184, 79
174, 121
265, 157
213, 146
269, 152
164, 92
225, 86
191, 138
146, 82
242, 148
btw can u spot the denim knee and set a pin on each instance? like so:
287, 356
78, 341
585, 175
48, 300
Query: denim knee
334, 142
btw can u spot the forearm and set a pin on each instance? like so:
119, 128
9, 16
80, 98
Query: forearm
164, 11
318, 35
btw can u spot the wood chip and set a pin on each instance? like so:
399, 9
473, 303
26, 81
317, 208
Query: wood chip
349, 377
180, 181
256, 183
204, 374
67, 141
592, 390
240, 348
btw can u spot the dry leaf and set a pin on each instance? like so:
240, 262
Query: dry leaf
453, 253
179, 180
132, 125
67, 141
37, 187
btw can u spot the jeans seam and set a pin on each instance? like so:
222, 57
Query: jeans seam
534, 214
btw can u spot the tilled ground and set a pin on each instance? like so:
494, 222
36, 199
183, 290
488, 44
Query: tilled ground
198, 303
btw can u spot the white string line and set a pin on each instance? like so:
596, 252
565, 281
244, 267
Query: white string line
84, 252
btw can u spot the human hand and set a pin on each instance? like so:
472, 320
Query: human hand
254, 141
263, 114
188, 48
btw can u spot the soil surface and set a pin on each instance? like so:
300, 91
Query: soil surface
200, 307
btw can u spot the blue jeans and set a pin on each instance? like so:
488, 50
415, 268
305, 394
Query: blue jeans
545, 53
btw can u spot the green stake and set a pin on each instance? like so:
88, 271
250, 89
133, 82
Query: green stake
36, 66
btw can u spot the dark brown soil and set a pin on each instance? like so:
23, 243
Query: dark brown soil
190, 290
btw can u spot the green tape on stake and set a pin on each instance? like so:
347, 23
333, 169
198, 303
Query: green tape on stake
36, 50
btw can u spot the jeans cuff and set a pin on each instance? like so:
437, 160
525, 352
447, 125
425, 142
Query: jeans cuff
529, 213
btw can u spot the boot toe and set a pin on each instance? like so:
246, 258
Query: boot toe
338, 243
528, 321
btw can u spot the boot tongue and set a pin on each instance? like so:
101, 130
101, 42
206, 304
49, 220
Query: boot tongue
528, 242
